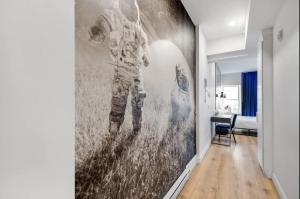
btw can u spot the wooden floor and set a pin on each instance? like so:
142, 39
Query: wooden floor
230, 173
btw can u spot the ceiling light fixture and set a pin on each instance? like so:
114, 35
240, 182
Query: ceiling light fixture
232, 23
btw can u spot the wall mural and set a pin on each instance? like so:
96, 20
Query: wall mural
135, 97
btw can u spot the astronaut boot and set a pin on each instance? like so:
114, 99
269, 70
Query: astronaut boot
137, 104
133, 135
116, 146
114, 128
117, 150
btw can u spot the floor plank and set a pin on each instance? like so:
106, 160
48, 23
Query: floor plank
230, 173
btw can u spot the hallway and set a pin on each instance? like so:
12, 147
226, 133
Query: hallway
230, 173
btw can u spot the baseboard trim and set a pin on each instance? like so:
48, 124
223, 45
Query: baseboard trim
268, 174
279, 187
180, 182
202, 155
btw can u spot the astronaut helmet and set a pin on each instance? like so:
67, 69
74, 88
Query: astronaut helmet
130, 9
182, 78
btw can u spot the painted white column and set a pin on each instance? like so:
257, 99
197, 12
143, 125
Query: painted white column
265, 101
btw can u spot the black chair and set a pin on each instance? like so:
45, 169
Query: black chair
225, 129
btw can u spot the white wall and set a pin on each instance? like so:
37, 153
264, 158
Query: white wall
259, 115
37, 99
205, 110
286, 101
231, 79
265, 101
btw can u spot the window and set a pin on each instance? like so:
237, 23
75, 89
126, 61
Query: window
232, 101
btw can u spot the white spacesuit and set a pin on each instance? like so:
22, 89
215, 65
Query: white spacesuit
180, 98
128, 46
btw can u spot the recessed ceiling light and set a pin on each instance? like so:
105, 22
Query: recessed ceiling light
232, 23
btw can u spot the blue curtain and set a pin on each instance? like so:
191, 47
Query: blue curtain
249, 94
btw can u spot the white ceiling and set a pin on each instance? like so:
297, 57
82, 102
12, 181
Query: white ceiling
262, 14
238, 65
214, 16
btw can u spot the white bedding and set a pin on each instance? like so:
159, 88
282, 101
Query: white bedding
244, 122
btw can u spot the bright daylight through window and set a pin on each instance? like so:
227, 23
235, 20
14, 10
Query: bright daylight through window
231, 103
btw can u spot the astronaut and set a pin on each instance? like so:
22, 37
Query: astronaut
180, 98
128, 47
